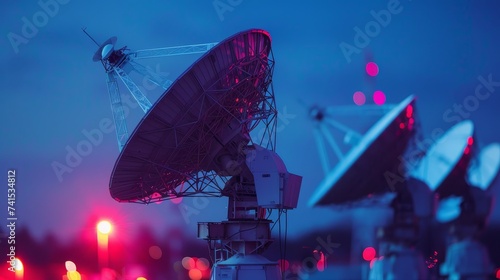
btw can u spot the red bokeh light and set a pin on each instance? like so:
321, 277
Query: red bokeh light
104, 227
321, 264
202, 264
369, 253
176, 200
359, 98
379, 97
372, 69
409, 111
470, 141
284, 264
195, 274
189, 263
498, 273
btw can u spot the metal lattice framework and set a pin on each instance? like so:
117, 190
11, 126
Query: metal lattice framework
325, 120
121, 62
383, 144
197, 132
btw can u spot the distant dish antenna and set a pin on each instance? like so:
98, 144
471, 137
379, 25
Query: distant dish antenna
326, 123
449, 209
121, 62
360, 181
362, 171
448, 169
485, 168
447, 160
197, 141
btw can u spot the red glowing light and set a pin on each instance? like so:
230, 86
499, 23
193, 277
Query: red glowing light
409, 111
195, 274
156, 197
467, 150
104, 227
379, 97
321, 264
432, 261
372, 69
176, 200
402, 125
359, 98
155, 252
498, 273
369, 253
284, 264
470, 141
411, 121
202, 264
189, 263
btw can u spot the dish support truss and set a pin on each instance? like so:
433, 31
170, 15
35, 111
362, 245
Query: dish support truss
119, 63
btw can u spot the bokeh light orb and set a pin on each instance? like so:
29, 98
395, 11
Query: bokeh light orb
70, 266
18, 265
285, 264
379, 97
155, 252
202, 264
369, 253
359, 98
188, 263
195, 274
104, 227
372, 69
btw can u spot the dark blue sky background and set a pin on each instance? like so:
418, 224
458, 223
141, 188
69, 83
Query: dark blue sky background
52, 90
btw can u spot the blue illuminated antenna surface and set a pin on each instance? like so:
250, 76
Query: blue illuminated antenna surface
362, 171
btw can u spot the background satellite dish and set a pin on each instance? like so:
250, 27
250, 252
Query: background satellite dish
362, 171
448, 209
198, 128
447, 160
485, 167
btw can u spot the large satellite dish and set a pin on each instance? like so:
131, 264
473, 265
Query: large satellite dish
198, 134
362, 171
198, 128
447, 160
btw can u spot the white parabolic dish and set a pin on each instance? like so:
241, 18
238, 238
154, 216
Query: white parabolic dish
444, 155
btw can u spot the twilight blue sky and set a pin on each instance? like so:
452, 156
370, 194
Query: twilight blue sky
52, 90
